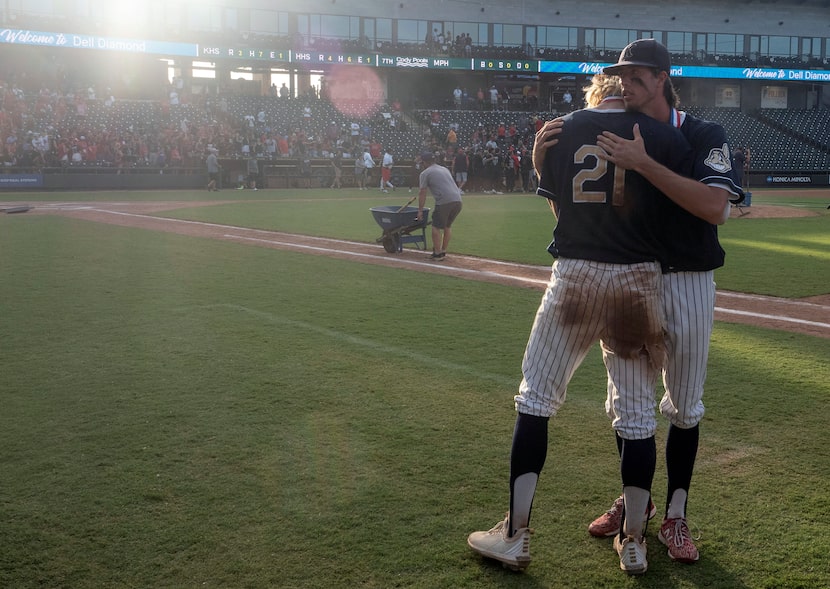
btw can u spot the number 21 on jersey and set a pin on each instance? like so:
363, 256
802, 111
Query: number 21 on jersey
595, 174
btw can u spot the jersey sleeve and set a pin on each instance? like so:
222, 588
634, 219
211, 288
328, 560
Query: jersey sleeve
545, 189
713, 158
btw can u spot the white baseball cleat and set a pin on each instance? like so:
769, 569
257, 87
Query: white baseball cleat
513, 552
632, 554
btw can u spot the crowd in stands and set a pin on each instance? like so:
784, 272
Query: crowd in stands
497, 145
52, 129
45, 129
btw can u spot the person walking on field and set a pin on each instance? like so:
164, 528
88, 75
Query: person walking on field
253, 172
386, 172
687, 231
360, 172
605, 286
460, 167
337, 169
738, 163
212, 163
441, 184
368, 164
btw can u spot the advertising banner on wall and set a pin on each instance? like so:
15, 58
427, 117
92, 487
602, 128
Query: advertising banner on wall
17, 181
773, 97
805, 180
69, 40
94, 42
728, 96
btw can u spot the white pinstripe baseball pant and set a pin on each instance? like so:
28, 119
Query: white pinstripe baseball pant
689, 305
584, 302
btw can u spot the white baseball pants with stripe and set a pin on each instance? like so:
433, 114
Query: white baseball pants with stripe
584, 302
689, 306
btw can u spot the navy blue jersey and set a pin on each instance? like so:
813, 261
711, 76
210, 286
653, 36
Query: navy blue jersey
690, 243
605, 213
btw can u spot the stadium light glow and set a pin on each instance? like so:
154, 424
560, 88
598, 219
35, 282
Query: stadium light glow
124, 14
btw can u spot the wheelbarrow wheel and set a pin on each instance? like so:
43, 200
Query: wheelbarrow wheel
392, 242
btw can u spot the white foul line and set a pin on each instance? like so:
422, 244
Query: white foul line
774, 317
763, 299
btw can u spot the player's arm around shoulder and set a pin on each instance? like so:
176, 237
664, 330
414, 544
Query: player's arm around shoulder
545, 139
709, 203
553, 208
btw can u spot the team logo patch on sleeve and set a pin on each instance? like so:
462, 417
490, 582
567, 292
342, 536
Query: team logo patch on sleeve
720, 159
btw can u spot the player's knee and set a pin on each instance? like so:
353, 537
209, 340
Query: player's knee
685, 422
683, 419
639, 429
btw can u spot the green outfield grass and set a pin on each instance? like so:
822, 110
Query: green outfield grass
183, 412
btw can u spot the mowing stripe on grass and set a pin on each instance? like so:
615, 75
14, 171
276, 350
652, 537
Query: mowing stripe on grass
363, 343
776, 247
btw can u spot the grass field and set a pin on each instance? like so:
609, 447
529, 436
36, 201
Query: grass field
182, 412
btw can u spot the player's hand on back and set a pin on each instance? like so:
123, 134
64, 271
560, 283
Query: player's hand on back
545, 139
625, 153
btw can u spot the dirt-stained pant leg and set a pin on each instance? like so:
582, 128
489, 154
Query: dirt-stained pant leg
585, 301
634, 351
568, 321
689, 301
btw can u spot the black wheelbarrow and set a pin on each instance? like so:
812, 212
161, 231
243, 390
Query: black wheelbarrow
400, 226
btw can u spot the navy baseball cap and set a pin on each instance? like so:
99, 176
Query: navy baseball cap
427, 155
644, 53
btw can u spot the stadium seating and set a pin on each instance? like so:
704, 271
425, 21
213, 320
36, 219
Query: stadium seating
812, 125
780, 140
779, 146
